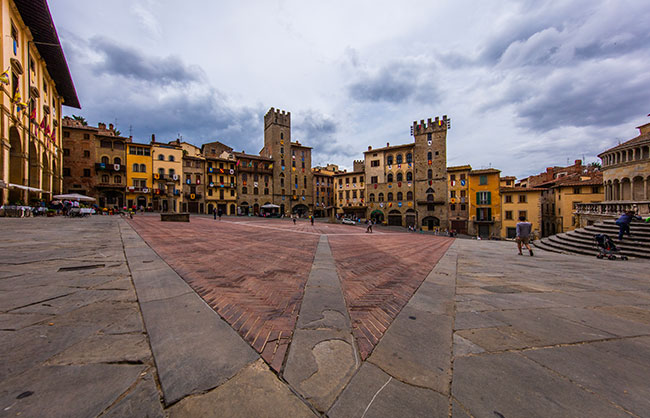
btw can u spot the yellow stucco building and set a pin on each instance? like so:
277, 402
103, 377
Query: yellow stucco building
485, 203
167, 161
34, 84
520, 201
139, 179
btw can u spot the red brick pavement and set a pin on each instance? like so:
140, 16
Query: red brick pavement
379, 274
253, 277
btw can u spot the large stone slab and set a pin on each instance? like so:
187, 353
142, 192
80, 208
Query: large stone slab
604, 372
142, 401
416, 349
375, 394
66, 391
194, 349
254, 392
509, 385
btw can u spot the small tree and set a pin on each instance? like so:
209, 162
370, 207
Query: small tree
80, 119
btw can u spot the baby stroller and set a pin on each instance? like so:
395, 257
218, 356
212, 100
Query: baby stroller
607, 248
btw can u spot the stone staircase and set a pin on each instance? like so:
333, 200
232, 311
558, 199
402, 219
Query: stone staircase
581, 241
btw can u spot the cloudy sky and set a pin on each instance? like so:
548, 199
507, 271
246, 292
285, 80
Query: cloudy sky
527, 84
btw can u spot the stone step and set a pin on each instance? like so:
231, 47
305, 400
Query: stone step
585, 242
613, 231
561, 242
557, 247
635, 239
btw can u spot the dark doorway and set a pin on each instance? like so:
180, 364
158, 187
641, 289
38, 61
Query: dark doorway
394, 218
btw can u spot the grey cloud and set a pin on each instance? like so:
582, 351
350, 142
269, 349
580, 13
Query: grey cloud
394, 83
128, 62
320, 132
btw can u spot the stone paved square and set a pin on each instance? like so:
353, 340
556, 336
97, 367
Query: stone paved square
256, 317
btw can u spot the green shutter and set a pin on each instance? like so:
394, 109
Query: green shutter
489, 198
478, 198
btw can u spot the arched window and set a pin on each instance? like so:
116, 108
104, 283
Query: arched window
117, 179
281, 181
266, 190
399, 159
305, 181
400, 196
117, 160
409, 195
256, 190
409, 176
429, 155
389, 160
171, 172
161, 171
244, 190
105, 178
390, 196
244, 176
136, 168
143, 168
390, 177
400, 177
371, 197
161, 157
429, 174
255, 177
105, 160
381, 197
171, 158
429, 194
409, 158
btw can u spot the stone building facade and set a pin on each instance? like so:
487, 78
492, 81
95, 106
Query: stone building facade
459, 198
349, 190
324, 195
79, 157
193, 179
110, 167
37, 83
254, 182
292, 178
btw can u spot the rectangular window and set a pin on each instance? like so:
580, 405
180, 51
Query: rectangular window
86, 172
523, 213
340, 195
354, 194
66, 152
452, 207
522, 198
452, 177
374, 180
511, 232
347, 180
483, 198
209, 192
86, 154
483, 214
347, 194
453, 193
462, 193
66, 171
509, 214
462, 176
576, 190
462, 207
66, 134
508, 198
86, 136
595, 189
482, 180
374, 163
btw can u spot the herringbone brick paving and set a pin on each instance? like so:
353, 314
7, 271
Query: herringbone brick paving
253, 277
379, 274
253, 271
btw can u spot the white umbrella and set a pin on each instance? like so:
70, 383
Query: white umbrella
29, 189
74, 196
270, 206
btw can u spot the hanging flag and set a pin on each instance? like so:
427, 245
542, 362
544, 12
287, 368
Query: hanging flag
20, 105
43, 122
4, 77
237, 162
271, 165
32, 116
47, 130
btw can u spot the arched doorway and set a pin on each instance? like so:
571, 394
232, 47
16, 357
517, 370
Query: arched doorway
430, 222
16, 165
300, 210
210, 208
377, 216
232, 209
410, 217
141, 202
34, 175
256, 209
395, 218
243, 208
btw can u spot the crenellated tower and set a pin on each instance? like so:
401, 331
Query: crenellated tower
430, 161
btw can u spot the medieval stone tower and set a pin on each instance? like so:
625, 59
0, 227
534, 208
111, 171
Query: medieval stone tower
431, 171
292, 176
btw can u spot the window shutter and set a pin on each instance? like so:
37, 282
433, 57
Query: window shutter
478, 198
489, 198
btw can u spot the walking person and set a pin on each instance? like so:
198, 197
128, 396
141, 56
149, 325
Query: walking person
311, 219
623, 223
214, 213
523, 234
369, 227
293, 217
219, 213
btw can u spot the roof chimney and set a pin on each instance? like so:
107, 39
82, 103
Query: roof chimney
388, 144
110, 126
369, 147
153, 137
578, 162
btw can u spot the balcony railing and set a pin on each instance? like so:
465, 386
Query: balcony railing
613, 208
133, 189
485, 220
117, 168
